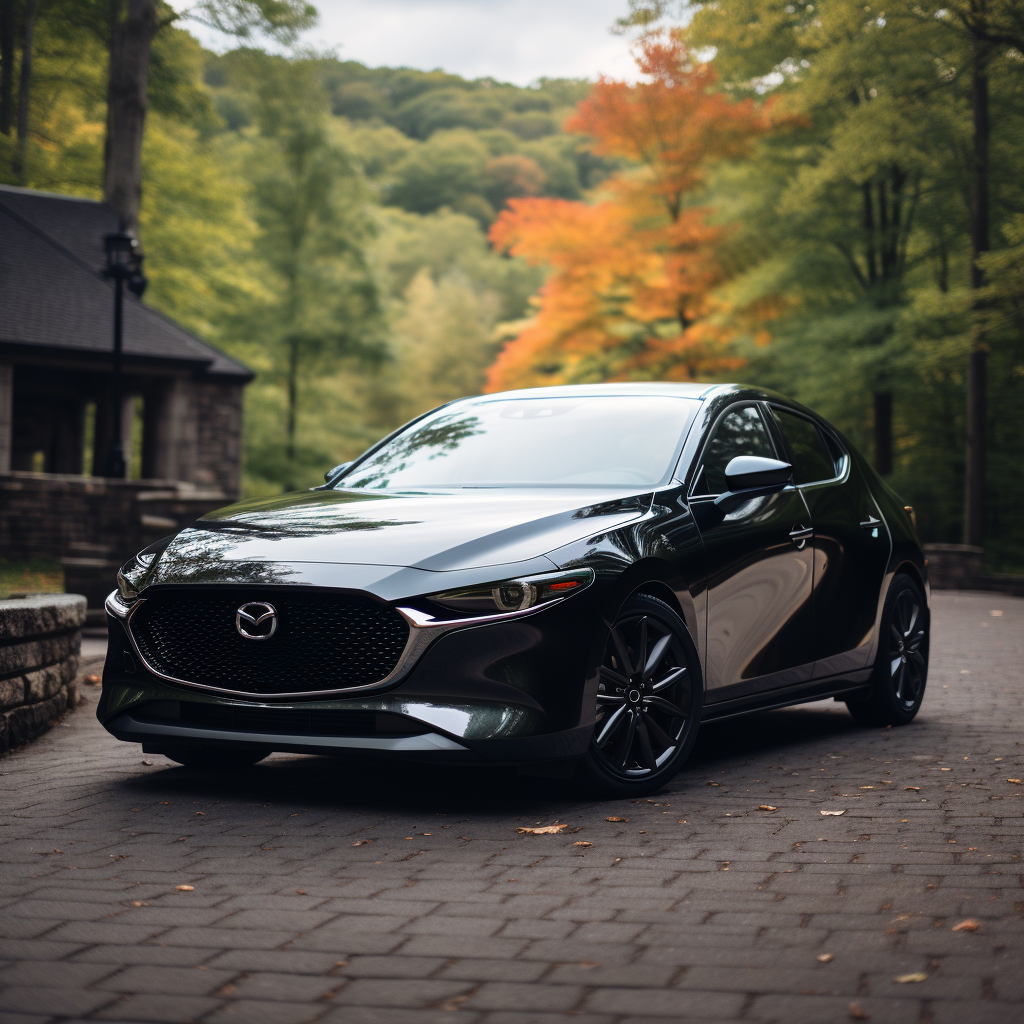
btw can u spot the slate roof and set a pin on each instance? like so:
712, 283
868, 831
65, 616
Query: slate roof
54, 298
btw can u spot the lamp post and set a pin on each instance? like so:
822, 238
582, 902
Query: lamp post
124, 267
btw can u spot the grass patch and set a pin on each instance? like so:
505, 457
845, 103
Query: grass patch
35, 576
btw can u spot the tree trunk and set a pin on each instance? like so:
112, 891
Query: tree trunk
24, 88
974, 499
130, 40
883, 432
6, 66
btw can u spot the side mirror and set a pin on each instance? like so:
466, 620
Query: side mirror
750, 476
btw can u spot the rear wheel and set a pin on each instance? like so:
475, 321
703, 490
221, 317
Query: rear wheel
901, 667
648, 702
215, 758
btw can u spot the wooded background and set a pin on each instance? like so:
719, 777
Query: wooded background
823, 198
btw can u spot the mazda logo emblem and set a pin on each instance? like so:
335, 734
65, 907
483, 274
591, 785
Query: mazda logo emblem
256, 620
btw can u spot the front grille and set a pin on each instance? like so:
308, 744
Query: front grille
324, 640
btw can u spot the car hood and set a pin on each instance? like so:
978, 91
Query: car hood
437, 531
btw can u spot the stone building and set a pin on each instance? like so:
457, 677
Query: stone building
56, 406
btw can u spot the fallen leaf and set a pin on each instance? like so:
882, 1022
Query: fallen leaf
588, 965
93, 678
682, 821
185, 888
613, 818
826, 958
544, 830
341, 963
865, 787
913, 789
1016, 782
582, 843
910, 979
767, 807
970, 925
833, 813
202, 814
945, 769
300, 892
465, 837
712, 783
139, 903
150, 763
362, 842
857, 1013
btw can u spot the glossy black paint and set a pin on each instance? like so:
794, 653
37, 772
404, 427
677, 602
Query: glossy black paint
781, 595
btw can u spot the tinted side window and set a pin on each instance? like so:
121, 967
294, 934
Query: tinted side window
811, 459
739, 432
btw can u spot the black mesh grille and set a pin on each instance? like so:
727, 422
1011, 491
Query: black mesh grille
323, 641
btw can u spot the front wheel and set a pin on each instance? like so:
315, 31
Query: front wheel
901, 666
214, 758
649, 702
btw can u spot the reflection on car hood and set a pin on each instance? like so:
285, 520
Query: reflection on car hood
437, 531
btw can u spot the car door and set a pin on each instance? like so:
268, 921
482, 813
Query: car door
759, 568
851, 543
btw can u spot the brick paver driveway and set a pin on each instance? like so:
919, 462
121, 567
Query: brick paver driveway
312, 890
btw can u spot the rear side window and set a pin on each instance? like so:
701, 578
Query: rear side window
740, 431
812, 461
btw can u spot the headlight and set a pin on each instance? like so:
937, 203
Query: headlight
514, 595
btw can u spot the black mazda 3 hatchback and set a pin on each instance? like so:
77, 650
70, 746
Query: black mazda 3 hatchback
567, 579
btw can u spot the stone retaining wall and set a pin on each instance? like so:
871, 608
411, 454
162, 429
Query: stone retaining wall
959, 567
40, 639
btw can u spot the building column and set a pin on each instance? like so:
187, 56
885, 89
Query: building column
6, 415
169, 439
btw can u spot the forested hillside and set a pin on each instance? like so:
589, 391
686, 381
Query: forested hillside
321, 220
821, 198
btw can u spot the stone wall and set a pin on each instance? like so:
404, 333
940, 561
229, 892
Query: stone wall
40, 639
93, 525
960, 567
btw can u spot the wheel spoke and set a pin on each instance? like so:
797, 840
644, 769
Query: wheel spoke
646, 753
611, 698
895, 636
611, 726
615, 677
894, 663
913, 620
673, 677
627, 745
657, 733
660, 648
900, 680
664, 705
641, 649
622, 651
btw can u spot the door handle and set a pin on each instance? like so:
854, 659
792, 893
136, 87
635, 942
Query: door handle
871, 524
800, 534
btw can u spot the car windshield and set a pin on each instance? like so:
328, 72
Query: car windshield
613, 441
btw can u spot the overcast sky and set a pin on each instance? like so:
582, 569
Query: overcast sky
511, 40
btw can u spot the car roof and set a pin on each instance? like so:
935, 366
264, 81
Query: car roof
667, 389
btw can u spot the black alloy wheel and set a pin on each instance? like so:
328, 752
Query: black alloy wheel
648, 701
901, 666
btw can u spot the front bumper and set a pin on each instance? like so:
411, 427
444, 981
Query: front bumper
502, 692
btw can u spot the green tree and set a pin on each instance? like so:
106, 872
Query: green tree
309, 203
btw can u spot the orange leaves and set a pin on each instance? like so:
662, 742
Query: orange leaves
633, 276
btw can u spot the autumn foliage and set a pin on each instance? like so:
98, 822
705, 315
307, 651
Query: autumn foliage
633, 275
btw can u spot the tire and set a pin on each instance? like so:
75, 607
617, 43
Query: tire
649, 714
901, 666
215, 758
